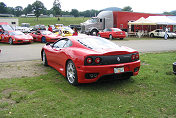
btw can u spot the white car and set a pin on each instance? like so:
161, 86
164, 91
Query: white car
23, 29
161, 33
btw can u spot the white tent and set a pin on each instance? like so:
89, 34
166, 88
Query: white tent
155, 20
172, 18
142, 21
161, 20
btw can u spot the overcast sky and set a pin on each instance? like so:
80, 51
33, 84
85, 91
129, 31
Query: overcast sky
147, 6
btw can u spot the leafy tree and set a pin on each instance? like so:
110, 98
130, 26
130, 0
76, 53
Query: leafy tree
86, 13
38, 8
28, 9
56, 7
170, 13
18, 10
3, 8
65, 13
127, 8
74, 12
10, 10
89, 13
44, 11
174, 13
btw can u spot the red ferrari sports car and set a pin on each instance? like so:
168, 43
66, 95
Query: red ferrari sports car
44, 36
87, 59
13, 37
112, 33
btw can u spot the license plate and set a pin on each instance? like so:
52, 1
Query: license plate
119, 70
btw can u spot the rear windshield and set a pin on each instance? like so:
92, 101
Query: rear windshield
116, 29
96, 43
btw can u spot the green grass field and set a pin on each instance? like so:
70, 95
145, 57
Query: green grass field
150, 94
51, 21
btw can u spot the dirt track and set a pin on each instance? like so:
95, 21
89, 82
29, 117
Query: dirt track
22, 69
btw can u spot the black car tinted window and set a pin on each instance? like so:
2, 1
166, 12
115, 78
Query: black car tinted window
62, 43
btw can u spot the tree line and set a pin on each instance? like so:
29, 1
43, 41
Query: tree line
38, 8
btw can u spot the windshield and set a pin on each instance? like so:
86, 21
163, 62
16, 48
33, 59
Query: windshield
116, 29
46, 32
92, 20
16, 33
97, 43
7, 27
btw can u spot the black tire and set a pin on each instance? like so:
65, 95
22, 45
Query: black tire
44, 59
110, 37
10, 41
71, 73
94, 32
121, 38
152, 35
43, 40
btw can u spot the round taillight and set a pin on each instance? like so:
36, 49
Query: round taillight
97, 60
89, 60
133, 57
137, 56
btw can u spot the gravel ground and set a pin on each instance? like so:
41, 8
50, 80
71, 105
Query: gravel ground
22, 69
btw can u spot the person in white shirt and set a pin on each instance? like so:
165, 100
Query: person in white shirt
165, 35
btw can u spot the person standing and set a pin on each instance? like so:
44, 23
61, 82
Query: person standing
50, 28
166, 35
75, 32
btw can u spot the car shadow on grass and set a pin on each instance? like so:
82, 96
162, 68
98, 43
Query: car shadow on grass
107, 83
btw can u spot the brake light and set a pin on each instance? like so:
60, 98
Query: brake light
133, 57
89, 60
137, 56
97, 60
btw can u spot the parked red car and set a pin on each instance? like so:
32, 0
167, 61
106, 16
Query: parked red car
87, 59
45, 36
13, 37
112, 33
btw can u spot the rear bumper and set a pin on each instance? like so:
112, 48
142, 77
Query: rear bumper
119, 36
104, 71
